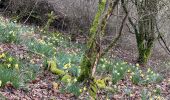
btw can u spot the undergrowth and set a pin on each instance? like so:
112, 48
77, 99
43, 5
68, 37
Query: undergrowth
66, 57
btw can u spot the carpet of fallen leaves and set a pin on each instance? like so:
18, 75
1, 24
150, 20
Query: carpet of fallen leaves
44, 86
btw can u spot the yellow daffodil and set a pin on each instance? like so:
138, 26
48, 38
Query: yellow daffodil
130, 77
159, 98
148, 70
84, 88
10, 59
80, 90
32, 61
147, 78
129, 70
69, 80
1, 49
0, 83
131, 95
154, 90
2, 55
124, 62
75, 80
137, 65
67, 66
17, 66
142, 75
9, 65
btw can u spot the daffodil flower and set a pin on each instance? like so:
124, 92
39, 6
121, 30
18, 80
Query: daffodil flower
142, 75
10, 59
9, 65
129, 70
84, 88
0, 83
137, 65
80, 90
17, 66
148, 70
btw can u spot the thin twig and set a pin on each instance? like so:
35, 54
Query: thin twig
160, 38
31, 11
117, 38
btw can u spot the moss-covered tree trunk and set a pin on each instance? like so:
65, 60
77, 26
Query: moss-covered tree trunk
92, 46
147, 12
93, 52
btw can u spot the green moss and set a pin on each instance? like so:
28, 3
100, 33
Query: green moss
95, 24
105, 18
91, 52
85, 69
146, 35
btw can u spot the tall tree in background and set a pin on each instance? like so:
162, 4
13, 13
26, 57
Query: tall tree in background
147, 13
145, 28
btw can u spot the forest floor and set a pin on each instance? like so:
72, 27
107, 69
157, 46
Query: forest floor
27, 51
42, 87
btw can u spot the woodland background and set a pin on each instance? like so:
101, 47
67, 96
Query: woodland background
44, 36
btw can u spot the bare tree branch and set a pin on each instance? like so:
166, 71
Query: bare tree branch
129, 18
160, 38
117, 38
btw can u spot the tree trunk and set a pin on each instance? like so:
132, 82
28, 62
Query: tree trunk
93, 48
93, 52
147, 11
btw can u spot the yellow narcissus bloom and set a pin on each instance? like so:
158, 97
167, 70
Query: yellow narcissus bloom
2, 55
80, 90
148, 70
55, 85
0, 83
1, 49
9, 65
84, 88
32, 61
137, 65
67, 66
147, 78
10, 59
129, 70
142, 75
68, 80
154, 90
131, 95
130, 77
17, 66
124, 63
